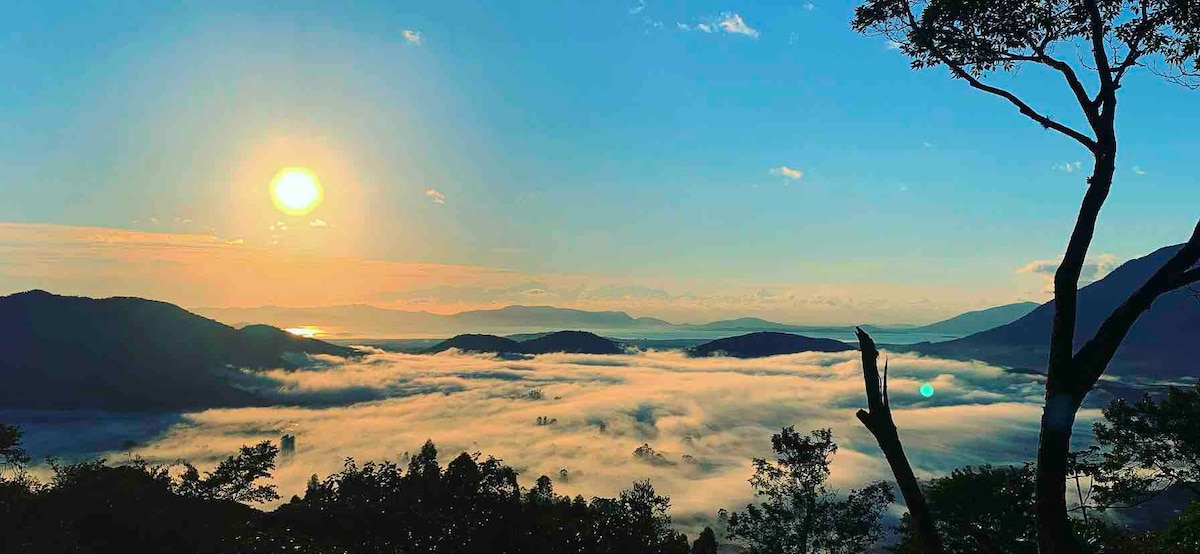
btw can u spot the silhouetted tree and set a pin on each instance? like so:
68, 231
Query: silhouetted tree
706, 543
12, 456
797, 512
975, 39
235, 477
1146, 447
985, 509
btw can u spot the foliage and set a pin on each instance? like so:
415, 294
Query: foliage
984, 509
235, 477
472, 505
706, 543
1147, 447
984, 36
798, 513
12, 456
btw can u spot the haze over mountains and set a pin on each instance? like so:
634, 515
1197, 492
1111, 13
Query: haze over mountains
362, 321
131, 353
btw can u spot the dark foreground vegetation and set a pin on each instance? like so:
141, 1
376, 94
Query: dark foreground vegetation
472, 504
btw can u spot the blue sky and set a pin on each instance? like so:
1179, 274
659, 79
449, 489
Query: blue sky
600, 140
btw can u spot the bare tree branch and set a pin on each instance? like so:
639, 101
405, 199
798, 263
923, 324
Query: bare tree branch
1107, 93
1025, 109
878, 420
1177, 273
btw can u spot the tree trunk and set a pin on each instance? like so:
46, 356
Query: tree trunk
878, 420
1055, 535
1067, 383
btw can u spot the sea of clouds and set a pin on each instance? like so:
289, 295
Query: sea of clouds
707, 417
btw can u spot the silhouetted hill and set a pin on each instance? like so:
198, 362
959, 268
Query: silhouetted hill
574, 342
980, 320
1158, 346
767, 343
129, 353
478, 343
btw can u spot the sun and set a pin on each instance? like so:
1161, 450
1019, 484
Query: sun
296, 191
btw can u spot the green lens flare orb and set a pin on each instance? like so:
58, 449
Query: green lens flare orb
927, 390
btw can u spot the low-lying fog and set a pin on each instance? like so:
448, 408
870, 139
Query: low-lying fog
718, 412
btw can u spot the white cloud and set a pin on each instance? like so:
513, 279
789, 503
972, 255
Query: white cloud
1068, 167
893, 45
638, 8
787, 173
809, 6
435, 196
1094, 269
704, 27
1138, 170
413, 37
683, 26
318, 224
734, 24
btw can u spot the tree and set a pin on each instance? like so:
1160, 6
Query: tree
973, 39
235, 477
706, 543
12, 456
798, 513
984, 509
1147, 447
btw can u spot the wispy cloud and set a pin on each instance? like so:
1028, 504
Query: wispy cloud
1094, 268
892, 45
810, 6
435, 196
734, 24
318, 224
1069, 167
788, 173
1138, 170
639, 8
412, 37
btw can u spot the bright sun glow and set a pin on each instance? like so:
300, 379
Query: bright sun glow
296, 191
307, 331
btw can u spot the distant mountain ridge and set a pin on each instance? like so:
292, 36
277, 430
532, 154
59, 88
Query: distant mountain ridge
366, 321
66, 352
979, 320
1158, 346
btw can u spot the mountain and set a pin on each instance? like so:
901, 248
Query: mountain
767, 343
980, 320
1158, 346
574, 342
551, 318
364, 321
66, 352
478, 343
